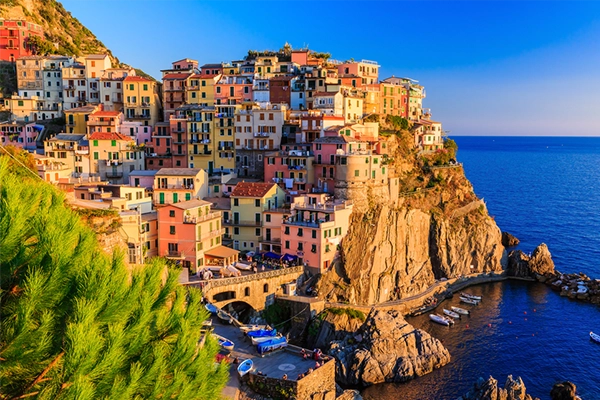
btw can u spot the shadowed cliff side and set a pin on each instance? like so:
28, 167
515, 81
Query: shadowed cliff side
396, 248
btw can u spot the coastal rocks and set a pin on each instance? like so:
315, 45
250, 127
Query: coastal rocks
514, 389
576, 286
537, 265
509, 240
386, 349
564, 391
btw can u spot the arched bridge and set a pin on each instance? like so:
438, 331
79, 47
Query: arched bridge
253, 289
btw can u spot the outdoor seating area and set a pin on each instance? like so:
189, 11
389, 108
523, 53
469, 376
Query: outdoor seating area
269, 260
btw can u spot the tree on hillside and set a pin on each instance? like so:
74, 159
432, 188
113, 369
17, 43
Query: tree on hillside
76, 323
16, 158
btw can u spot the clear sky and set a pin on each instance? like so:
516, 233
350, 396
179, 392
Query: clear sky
490, 68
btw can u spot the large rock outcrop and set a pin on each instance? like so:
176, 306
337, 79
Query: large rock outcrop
386, 349
564, 391
524, 266
514, 389
509, 240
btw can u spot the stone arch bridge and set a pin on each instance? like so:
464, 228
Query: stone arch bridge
252, 289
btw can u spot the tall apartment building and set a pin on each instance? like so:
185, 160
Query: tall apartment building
95, 65
111, 87
14, 38
174, 84
142, 101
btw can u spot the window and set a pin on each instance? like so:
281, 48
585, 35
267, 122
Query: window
172, 230
95, 155
313, 248
236, 202
356, 172
266, 288
171, 213
300, 232
257, 232
256, 202
286, 230
20, 103
287, 244
113, 143
145, 87
300, 246
314, 234
236, 231
247, 291
268, 217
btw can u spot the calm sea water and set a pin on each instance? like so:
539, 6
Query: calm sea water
541, 189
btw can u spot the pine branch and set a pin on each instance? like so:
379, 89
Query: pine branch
41, 376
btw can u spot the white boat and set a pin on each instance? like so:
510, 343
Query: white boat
470, 296
460, 310
469, 301
223, 316
595, 337
245, 367
451, 313
224, 342
439, 319
248, 328
257, 340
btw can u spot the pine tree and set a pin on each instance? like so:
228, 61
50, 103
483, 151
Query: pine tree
76, 323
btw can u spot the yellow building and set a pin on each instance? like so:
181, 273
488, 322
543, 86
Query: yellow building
76, 119
249, 200
71, 150
200, 89
173, 185
22, 108
142, 102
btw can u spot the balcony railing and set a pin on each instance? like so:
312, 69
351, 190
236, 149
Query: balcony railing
102, 123
226, 148
138, 116
261, 134
233, 222
193, 219
212, 234
114, 174
178, 130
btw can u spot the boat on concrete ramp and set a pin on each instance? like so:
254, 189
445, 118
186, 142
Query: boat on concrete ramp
451, 314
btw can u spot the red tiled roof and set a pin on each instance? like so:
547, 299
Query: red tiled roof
176, 76
251, 189
137, 79
105, 113
109, 136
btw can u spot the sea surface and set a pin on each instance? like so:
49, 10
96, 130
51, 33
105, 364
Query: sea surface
541, 189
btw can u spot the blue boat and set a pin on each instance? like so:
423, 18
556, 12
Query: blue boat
245, 367
271, 345
262, 333
224, 342
211, 308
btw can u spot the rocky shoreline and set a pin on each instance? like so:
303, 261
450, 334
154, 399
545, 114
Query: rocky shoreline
514, 389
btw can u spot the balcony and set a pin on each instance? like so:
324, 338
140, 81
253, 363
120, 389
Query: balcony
68, 87
230, 148
230, 222
201, 153
327, 207
178, 130
174, 254
212, 234
138, 116
114, 174
261, 134
173, 89
179, 141
189, 219
102, 123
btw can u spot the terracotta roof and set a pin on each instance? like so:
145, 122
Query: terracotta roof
176, 76
221, 252
137, 79
252, 189
109, 136
105, 114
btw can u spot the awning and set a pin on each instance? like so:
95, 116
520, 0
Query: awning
289, 257
274, 256
221, 252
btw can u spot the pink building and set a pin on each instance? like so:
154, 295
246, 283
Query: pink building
314, 230
178, 125
291, 168
233, 89
312, 124
158, 151
18, 134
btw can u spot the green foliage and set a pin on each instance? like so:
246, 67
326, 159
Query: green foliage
278, 315
141, 73
371, 118
350, 312
399, 123
435, 180
95, 212
323, 56
77, 323
451, 146
17, 158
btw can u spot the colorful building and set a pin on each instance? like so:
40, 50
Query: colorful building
200, 89
190, 233
113, 156
76, 118
174, 85
19, 134
111, 87
233, 89
366, 71
393, 96
104, 121
173, 185
142, 102
314, 229
158, 151
71, 150
248, 202
292, 168
95, 65
74, 84
15, 37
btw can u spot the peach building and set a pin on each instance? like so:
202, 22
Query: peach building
365, 70
190, 233
173, 185
233, 89
104, 121
393, 96
314, 229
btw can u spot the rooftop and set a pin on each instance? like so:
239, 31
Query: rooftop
83, 109
178, 171
103, 113
137, 79
109, 136
71, 137
176, 76
252, 189
186, 205
143, 172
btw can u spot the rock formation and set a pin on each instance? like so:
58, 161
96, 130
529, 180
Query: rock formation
538, 264
386, 349
509, 240
564, 391
489, 390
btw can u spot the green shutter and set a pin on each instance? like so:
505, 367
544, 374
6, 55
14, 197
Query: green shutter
95, 143
113, 142
188, 196
161, 198
95, 155
175, 197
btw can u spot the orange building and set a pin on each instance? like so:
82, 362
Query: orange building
14, 38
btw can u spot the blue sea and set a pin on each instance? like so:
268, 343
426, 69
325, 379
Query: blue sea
540, 189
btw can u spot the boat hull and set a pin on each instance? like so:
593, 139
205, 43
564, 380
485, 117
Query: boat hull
245, 367
451, 313
469, 301
460, 310
471, 296
438, 319
271, 345
595, 337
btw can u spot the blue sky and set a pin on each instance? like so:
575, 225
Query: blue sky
490, 68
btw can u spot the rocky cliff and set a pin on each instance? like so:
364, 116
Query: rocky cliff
437, 228
531, 266
386, 348
514, 389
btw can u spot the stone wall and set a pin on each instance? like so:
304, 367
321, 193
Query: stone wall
302, 309
320, 384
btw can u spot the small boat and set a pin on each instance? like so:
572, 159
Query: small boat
595, 337
262, 333
248, 328
271, 345
470, 296
451, 313
460, 310
211, 308
439, 319
469, 301
257, 340
245, 367
224, 342
223, 316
